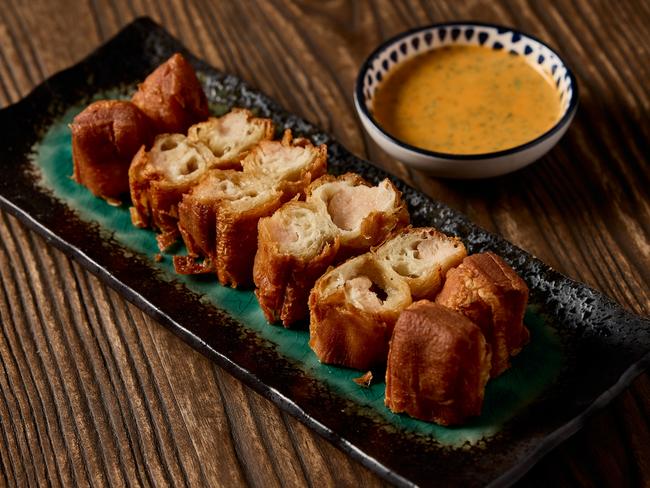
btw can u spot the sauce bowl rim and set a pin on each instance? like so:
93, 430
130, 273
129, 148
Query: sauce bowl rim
362, 106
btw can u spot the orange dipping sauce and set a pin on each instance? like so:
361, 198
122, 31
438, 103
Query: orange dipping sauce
466, 100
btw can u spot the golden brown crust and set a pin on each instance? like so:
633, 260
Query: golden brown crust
284, 273
105, 136
190, 265
218, 222
138, 186
491, 294
158, 178
438, 365
353, 309
363, 216
422, 256
197, 219
172, 97
175, 163
237, 242
364, 380
281, 168
197, 225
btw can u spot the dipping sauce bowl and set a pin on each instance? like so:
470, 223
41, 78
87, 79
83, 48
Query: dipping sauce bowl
395, 56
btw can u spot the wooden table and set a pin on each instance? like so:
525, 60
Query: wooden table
94, 392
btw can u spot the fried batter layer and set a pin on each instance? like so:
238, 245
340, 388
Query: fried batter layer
342, 217
353, 309
105, 136
158, 178
491, 294
438, 365
282, 168
295, 247
415, 260
172, 97
218, 222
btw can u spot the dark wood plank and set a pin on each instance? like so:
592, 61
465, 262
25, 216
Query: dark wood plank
94, 392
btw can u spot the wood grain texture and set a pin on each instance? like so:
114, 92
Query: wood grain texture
93, 392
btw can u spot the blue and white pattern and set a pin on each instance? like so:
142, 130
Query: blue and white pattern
417, 42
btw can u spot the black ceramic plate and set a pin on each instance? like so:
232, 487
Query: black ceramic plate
585, 349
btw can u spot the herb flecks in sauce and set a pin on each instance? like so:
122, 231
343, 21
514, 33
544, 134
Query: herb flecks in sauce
466, 100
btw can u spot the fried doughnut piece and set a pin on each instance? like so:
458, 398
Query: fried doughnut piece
353, 309
364, 214
295, 247
172, 97
218, 221
492, 295
285, 274
105, 136
422, 256
283, 167
159, 177
231, 137
438, 365
413, 260
292, 163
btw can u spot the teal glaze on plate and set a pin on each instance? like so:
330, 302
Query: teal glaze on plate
534, 369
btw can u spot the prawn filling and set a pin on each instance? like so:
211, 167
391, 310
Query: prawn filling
350, 201
349, 206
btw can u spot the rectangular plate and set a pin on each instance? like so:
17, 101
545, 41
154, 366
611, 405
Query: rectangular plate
556, 380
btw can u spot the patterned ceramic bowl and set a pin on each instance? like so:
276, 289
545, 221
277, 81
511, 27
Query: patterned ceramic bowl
405, 46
